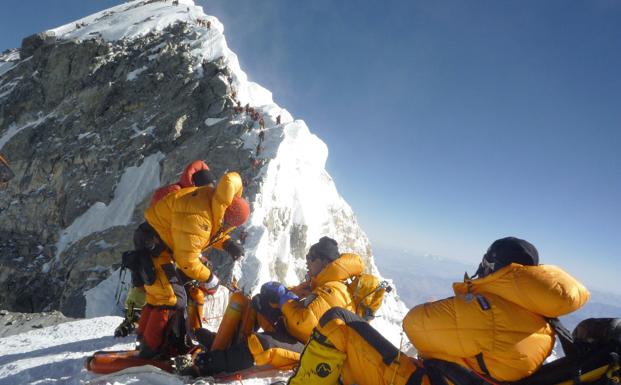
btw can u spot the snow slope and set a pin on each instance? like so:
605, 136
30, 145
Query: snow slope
55, 355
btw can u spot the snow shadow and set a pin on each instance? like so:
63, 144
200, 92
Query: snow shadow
85, 346
60, 372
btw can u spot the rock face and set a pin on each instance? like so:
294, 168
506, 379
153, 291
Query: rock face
81, 123
92, 120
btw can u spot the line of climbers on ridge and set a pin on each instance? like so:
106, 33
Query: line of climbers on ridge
255, 116
499, 327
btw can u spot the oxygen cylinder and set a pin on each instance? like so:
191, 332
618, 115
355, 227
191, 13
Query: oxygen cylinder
248, 321
195, 308
230, 322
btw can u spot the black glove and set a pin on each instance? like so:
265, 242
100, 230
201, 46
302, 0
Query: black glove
234, 248
263, 306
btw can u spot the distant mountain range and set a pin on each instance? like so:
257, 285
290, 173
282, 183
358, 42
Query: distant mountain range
427, 278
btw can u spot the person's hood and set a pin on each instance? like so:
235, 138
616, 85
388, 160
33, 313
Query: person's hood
543, 289
344, 267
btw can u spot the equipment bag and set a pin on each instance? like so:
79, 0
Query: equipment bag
367, 293
592, 357
147, 245
140, 263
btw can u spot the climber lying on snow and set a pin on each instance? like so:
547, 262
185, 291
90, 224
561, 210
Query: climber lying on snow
292, 317
496, 326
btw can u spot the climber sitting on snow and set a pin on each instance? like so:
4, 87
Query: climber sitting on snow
496, 326
328, 271
195, 174
182, 225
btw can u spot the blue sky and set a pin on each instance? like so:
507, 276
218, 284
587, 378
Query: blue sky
450, 123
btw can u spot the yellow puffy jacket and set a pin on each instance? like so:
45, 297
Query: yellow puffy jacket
161, 293
328, 290
499, 318
189, 221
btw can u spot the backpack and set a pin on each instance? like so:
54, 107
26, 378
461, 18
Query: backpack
367, 293
592, 357
140, 263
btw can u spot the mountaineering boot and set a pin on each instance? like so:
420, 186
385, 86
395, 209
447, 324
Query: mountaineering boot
320, 363
184, 366
129, 324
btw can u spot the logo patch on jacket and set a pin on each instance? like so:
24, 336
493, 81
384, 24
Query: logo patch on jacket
483, 303
323, 369
309, 299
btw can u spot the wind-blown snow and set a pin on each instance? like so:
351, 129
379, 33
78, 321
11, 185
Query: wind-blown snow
135, 184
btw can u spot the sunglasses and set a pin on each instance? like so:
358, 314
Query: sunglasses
311, 257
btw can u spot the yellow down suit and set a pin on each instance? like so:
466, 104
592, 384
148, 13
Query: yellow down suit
495, 326
189, 221
301, 316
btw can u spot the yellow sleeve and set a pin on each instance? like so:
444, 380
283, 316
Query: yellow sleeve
222, 239
229, 186
439, 327
303, 315
190, 235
